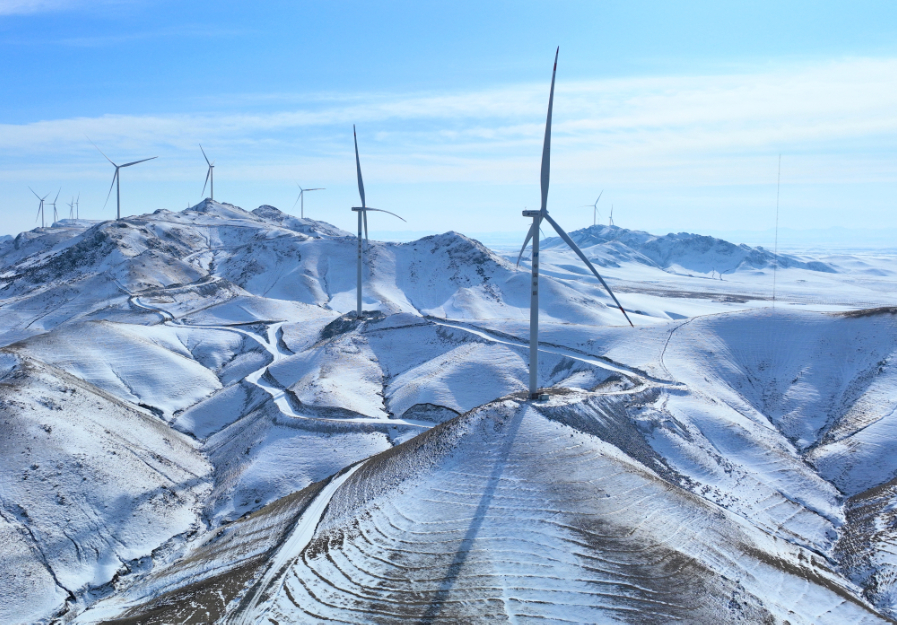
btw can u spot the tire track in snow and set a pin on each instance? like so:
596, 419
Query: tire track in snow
271, 344
561, 351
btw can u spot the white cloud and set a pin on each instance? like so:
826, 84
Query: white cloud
714, 127
25, 7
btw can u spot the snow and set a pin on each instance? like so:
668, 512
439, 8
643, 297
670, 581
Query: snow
194, 387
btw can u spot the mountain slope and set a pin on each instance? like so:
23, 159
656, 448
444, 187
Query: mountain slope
251, 448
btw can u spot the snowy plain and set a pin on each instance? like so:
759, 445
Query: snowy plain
198, 429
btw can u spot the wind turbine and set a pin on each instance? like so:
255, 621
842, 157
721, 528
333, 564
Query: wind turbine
595, 206
116, 180
362, 217
301, 198
72, 209
537, 217
209, 176
77, 207
40, 208
610, 220
53, 204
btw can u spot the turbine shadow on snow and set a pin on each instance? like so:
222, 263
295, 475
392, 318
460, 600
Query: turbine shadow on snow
476, 523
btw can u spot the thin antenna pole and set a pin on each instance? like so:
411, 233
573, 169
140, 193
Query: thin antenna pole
775, 253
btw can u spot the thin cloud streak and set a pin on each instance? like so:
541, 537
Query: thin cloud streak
34, 7
627, 126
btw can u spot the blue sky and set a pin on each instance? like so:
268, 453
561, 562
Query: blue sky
678, 111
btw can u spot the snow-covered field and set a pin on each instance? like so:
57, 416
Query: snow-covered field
196, 428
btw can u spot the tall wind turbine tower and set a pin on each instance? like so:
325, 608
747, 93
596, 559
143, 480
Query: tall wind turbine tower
71, 206
53, 204
40, 208
537, 217
301, 199
595, 207
610, 220
210, 176
116, 180
362, 218
78, 207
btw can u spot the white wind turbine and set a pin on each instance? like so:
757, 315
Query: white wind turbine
71, 206
610, 220
533, 234
116, 180
210, 176
78, 207
53, 204
595, 207
301, 198
40, 208
362, 218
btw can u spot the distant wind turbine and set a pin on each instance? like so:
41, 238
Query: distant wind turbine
610, 220
116, 180
53, 204
362, 217
40, 208
533, 234
301, 198
595, 206
71, 206
210, 176
78, 207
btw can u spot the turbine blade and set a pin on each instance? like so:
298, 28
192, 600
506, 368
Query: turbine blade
358, 167
100, 151
317, 189
383, 211
582, 256
599, 197
529, 235
298, 198
35, 194
39, 209
114, 177
205, 157
209, 173
140, 161
365, 215
546, 146
57, 196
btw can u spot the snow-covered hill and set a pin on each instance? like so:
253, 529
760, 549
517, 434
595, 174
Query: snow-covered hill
197, 428
683, 252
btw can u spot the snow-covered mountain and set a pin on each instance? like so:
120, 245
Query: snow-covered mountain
197, 428
683, 252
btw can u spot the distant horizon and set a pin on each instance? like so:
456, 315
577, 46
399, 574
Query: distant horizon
831, 238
